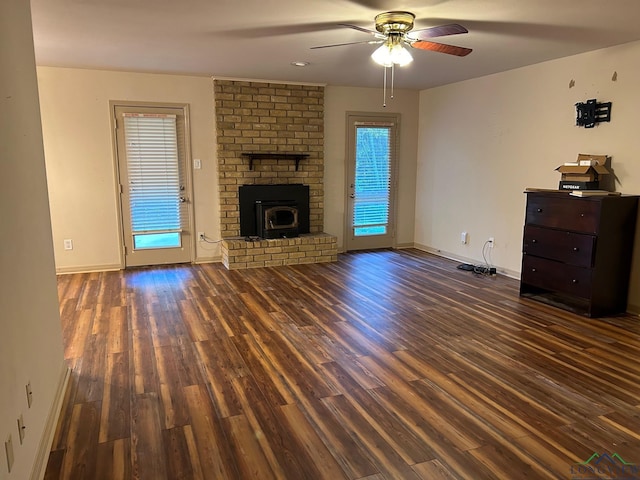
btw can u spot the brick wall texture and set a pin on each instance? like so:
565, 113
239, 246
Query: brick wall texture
311, 248
254, 117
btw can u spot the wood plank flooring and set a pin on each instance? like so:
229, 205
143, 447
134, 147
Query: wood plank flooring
383, 365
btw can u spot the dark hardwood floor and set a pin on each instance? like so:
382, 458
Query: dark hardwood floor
384, 365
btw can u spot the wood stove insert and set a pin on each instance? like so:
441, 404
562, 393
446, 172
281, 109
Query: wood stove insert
274, 211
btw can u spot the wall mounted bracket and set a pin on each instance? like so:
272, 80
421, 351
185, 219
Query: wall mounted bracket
590, 113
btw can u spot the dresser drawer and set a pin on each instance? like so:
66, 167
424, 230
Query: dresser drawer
565, 212
567, 247
559, 277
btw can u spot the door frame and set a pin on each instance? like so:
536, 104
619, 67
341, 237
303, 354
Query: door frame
188, 174
351, 118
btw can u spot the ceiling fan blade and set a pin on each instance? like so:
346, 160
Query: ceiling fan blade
370, 42
439, 31
373, 4
441, 47
365, 30
277, 30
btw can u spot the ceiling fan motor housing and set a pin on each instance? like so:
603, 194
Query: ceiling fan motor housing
394, 22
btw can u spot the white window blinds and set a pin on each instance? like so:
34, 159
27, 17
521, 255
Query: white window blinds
374, 150
153, 172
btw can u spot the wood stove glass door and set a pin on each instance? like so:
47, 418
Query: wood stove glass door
371, 181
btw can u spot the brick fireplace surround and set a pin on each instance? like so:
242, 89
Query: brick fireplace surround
254, 117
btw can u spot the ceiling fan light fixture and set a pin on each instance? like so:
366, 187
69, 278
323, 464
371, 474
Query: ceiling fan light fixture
392, 53
400, 55
382, 56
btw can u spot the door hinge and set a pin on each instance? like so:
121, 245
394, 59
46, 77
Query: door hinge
125, 250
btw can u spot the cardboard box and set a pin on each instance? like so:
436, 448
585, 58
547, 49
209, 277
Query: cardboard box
585, 173
603, 160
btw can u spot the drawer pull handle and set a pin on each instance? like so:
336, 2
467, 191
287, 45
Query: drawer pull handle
574, 281
582, 215
539, 210
576, 249
534, 241
533, 269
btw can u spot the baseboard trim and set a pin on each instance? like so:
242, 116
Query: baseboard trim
42, 456
399, 246
216, 259
115, 267
109, 267
440, 253
633, 309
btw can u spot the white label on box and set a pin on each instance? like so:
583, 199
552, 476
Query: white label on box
588, 163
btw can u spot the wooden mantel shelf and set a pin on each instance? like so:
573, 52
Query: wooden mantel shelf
275, 155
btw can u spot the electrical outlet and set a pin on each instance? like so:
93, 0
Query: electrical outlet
21, 429
29, 395
68, 244
201, 236
197, 164
464, 238
491, 242
8, 448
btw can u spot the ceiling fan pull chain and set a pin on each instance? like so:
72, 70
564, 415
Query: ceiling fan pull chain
393, 76
384, 88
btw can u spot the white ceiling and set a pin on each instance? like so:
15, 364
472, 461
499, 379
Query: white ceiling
258, 39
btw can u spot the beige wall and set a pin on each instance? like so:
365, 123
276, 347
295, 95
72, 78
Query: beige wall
78, 151
30, 332
483, 141
80, 162
339, 101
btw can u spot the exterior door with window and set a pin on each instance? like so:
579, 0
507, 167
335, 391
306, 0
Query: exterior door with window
371, 177
154, 184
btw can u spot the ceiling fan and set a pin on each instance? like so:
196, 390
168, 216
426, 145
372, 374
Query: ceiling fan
393, 33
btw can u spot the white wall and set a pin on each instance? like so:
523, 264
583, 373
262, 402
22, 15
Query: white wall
483, 141
339, 101
30, 332
80, 160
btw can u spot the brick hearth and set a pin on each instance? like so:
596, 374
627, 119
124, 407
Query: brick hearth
312, 248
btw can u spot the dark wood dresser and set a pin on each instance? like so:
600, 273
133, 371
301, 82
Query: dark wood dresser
576, 251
